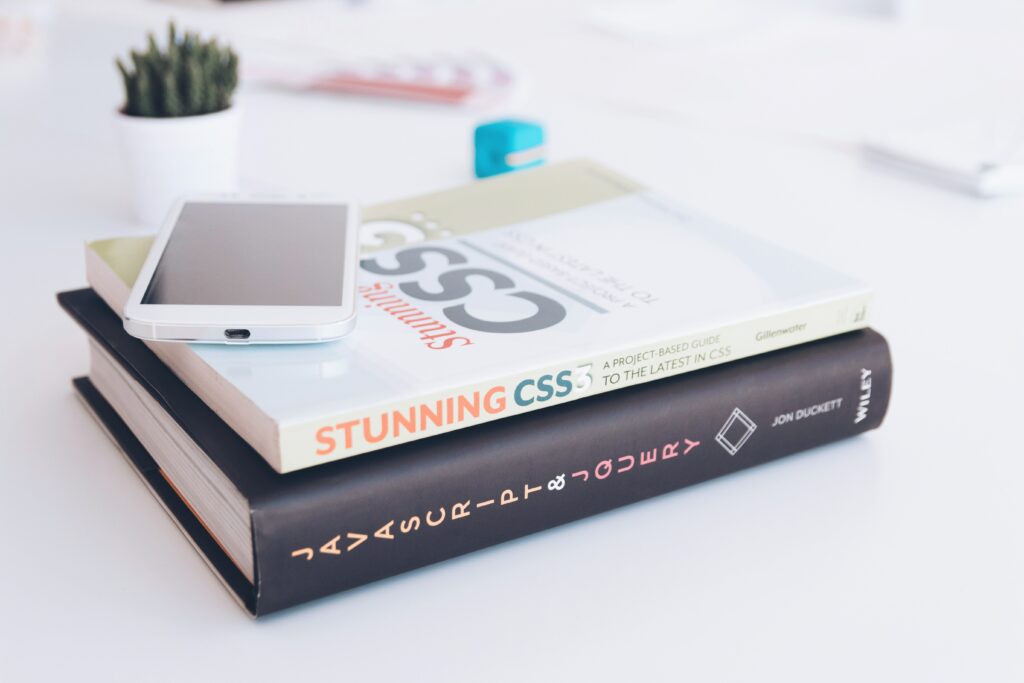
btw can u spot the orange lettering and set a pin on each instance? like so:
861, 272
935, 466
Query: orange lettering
323, 435
494, 400
436, 416
466, 407
449, 342
430, 520
459, 510
374, 438
401, 420
376, 285
347, 428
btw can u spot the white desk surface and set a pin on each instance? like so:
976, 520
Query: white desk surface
895, 556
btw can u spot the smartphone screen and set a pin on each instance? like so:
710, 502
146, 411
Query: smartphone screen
260, 254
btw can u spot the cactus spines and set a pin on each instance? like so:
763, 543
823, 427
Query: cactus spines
190, 77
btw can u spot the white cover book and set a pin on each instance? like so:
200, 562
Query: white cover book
501, 297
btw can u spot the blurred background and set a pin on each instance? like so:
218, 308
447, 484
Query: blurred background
847, 75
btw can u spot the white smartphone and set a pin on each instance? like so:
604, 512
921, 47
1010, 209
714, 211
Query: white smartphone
247, 270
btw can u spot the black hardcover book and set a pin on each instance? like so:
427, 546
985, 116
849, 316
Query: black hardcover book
336, 526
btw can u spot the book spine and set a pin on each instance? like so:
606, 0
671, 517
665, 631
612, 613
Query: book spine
341, 436
422, 503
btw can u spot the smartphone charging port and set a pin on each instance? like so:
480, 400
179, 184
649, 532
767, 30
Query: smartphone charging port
237, 335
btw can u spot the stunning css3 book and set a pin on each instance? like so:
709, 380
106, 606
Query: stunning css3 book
502, 297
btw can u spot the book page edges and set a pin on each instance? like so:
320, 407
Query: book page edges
110, 264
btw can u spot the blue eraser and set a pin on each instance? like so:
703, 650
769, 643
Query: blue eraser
507, 145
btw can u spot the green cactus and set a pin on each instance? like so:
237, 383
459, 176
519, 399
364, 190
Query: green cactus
190, 77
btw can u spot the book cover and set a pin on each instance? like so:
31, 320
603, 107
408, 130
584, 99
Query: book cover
502, 297
326, 529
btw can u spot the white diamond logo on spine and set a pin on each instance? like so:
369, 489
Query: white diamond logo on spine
735, 432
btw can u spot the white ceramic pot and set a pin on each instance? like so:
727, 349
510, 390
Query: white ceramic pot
171, 157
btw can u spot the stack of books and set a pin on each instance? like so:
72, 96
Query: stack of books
531, 350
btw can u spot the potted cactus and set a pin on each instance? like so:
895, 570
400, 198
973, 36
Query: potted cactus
178, 123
